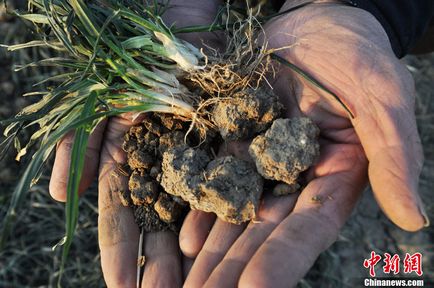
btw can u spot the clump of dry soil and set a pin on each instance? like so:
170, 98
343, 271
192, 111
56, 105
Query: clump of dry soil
246, 113
172, 169
145, 144
227, 186
289, 147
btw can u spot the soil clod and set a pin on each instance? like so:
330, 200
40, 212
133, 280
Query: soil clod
288, 148
143, 189
183, 171
170, 140
232, 189
141, 160
227, 186
148, 219
154, 209
168, 175
246, 114
168, 209
125, 197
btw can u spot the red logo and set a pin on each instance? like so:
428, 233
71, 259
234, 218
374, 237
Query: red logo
412, 263
371, 262
391, 263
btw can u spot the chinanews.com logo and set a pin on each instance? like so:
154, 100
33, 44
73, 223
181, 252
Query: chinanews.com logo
410, 267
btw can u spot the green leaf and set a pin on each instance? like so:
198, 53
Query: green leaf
95, 45
35, 18
137, 42
148, 25
82, 13
50, 11
7, 143
75, 172
199, 28
35, 43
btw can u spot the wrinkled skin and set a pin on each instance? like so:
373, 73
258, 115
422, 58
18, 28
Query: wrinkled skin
346, 49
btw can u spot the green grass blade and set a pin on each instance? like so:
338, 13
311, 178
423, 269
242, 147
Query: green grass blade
52, 62
35, 43
95, 46
137, 42
216, 25
35, 18
199, 28
57, 78
85, 16
148, 25
310, 79
75, 172
81, 11
7, 143
56, 28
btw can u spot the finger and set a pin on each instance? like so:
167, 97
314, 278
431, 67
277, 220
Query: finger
60, 172
117, 232
194, 232
387, 130
162, 260
272, 211
220, 239
313, 225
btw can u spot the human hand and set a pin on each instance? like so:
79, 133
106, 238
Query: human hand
118, 233
346, 49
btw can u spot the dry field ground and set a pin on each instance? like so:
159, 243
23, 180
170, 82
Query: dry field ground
29, 261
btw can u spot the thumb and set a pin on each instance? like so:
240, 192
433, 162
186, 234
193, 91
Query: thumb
387, 129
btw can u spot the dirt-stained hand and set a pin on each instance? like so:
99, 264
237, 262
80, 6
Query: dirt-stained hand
347, 49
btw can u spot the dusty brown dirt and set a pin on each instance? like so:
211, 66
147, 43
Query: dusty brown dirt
233, 188
145, 144
227, 186
246, 114
183, 170
288, 148
163, 160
